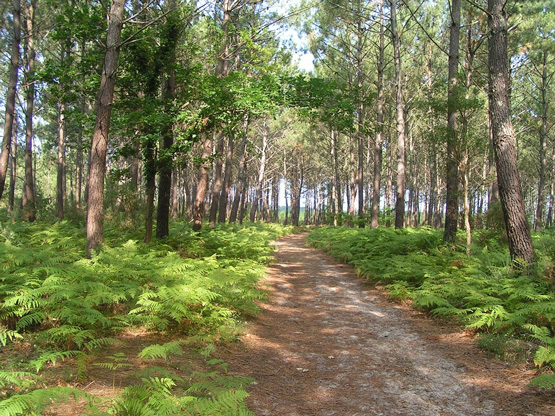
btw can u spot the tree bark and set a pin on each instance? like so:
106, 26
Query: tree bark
538, 218
28, 201
10, 95
400, 117
241, 174
378, 143
99, 146
166, 164
360, 120
60, 165
218, 181
222, 205
13, 175
504, 139
257, 202
202, 183
452, 178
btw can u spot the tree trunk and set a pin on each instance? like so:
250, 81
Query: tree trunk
60, 163
360, 121
378, 143
10, 96
452, 163
202, 183
337, 183
241, 175
166, 164
224, 195
538, 219
28, 202
401, 175
13, 174
218, 181
275, 199
99, 147
149, 155
175, 196
261, 174
504, 140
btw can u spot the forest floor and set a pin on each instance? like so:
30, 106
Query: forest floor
329, 343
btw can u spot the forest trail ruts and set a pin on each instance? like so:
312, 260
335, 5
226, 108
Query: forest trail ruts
326, 343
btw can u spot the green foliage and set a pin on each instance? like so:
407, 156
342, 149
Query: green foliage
196, 284
31, 404
482, 291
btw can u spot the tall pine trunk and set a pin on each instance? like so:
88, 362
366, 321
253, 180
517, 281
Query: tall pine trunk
222, 204
378, 143
241, 174
452, 163
202, 183
504, 139
10, 95
400, 118
258, 202
28, 202
538, 219
99, 146
60, 162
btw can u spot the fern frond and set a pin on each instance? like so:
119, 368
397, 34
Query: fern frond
162, 350
34, 402
7, 334
53, 357
17, 378
545, 381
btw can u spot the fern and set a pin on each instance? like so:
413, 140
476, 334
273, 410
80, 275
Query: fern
162, 350
34, 402
17, 378
52, 358
228, 403
545, 381
6, 334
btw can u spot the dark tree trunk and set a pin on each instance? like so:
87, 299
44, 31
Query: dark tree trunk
452, 181
10, 96
99, 147
504, 140
28, 202
538, 219
149, 155
401, 174
379, 134
165, 169
13, 174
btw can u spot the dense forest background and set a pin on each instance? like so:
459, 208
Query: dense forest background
211, 119
169, 123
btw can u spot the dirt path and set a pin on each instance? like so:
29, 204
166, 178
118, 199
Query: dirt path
328, 344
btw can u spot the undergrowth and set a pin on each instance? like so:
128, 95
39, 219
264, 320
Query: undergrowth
512, 311
62, 306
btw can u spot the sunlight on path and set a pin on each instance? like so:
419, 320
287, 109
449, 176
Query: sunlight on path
326, 344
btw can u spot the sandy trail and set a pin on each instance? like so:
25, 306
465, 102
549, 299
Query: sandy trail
326, 343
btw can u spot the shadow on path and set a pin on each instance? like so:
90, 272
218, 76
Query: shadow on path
326, 343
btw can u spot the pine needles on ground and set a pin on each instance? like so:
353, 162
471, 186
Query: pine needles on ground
482, 291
